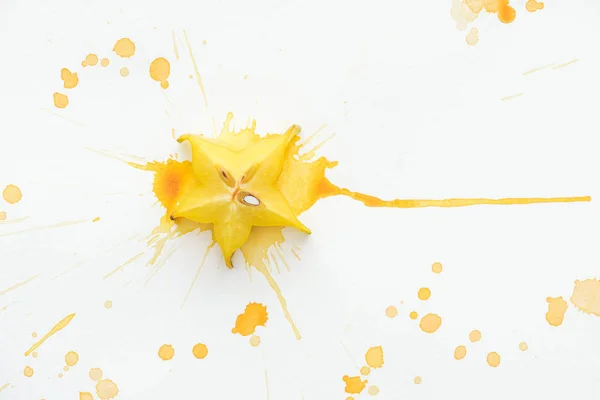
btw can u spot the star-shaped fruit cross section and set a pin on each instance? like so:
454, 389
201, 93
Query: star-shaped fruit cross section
236, 188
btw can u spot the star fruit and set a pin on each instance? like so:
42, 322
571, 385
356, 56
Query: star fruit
236, 188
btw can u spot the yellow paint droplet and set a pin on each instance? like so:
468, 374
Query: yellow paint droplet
472, 37
374, 357
60, 375
2, 215
34, 354
124, 48
28, 371
365, 371
430, 323
95, 374
200, 350
65, 368
104, 62
373, 390
493, 359
83, 63
586, 296
164, 84
160, 69
96, 219
70, 80
106, 389
436, 267
354, 384
254, 340
34, 335
204, 42
417, 380
166, 352
507, 14
534, 5
254, 315
191, 77
413, 315
475, 336
460, 352
60, 100
85, 396
556, 310
108, 304
12, 194
523, 346
71, 358
91, 59
391, 311
124, 71
424, 293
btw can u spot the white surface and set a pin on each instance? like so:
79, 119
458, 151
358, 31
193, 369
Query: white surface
423, 119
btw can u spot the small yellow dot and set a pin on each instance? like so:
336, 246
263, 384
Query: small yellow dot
254, 340
424, 293
200, 351
391, 311
28, 371
493, 359
460, 352
164, 84
373, 390
108, 304
436, 267
418, 380
124, 71
475, 336
523, 346
104, 62
414, 315
365, 370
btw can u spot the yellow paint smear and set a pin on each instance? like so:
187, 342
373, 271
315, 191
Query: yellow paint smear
354, 384
556, 310
41, 228
565, 64
175, 46
374, 357
56, 328
586, 296
254, 315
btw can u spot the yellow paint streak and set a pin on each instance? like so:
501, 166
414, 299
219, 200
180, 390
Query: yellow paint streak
374, 357
531, 71
175, 46
124, 48
106, 389
40, 228
198, 77
373, 390
254, 315
586, 296
565, 64
512, 97
4, 386
493, 359
200, 351
460, 352
267, 385
56, 328
556, 310
354, 384
430, 323
295, 254
198, 272
17, 285
120, 267
166, 352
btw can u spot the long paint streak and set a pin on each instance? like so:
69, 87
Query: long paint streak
4, 386
175, 46
59, 326
18, 285
41, 228
198, 77
197, 272
120, 267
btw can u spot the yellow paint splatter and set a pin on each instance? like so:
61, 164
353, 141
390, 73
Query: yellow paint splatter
91, 60
523, 346
106, 389
413, 315
34, 354
12, 194
436, 267
95, 374
586, 296
354, 384
104, 62
391, 311
164, 84
65, 368
60, 375
59, 326
96, 219
472, 37
28, 372
166, 352
124, 71
534, 5
374, 357
424, 293
60, 100
200, 351
365, 371
2, 215
70, 80
108, 304
34, 335
430, 323
556, 310
460, 352
85, 396
124, 48
71, 358
417, 380
254, 340
373, 390
493, 359
475, 336
160, 69
254, 315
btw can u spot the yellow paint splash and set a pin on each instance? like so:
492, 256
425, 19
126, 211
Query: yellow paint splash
106, 389
70, 80
85, 396
60, 100
124, 48
71, 358
364, 371
413, 315
56, 328
436, 268
430, 323
523, 346
28, 371
254, 315
534, 5
374, 357
475, 336
200, 351
391, 311
556, 310
91, 60
373, 390
108, 304
104, 62
586, 296
460, 352
354, 384
166, 352
160, 69
254, 340
95, 374
493, 359
424, 293
417, 380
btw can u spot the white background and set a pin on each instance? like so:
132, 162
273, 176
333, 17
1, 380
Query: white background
417, 114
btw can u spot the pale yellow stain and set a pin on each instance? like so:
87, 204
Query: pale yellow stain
472, 37
28, 371
198, 77
254, 315
413, 315
533, 5
60, 375
460, 352
556, 310
106, 389
34, 354
104, 62
462, 14
436, 268
475, 336
164, 84
71, 358
18, 285
424, 293
124, 48
512, 96
365, 371
56, 328
493, 359
91, 60
124, 71
254, 340
391, 311
60, 100
565, 64
200, 351
4, 386
374, 357
175, 49
2, 215
354, 384
85, 396
160, 69
166, 352
586, 296
108, 304
95, 374
70, 80
65, 368
373, 390
417, 380
523, 346
430, 323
